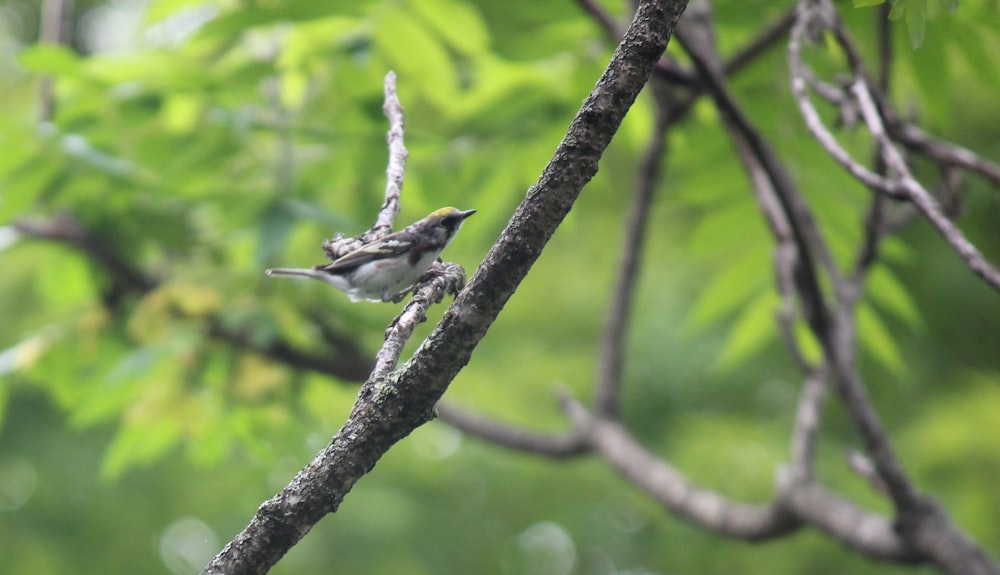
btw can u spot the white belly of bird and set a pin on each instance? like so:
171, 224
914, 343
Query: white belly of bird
387, 277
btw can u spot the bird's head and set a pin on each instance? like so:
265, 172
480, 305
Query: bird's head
445, 222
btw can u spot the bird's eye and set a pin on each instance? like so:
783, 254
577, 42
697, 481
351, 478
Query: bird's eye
450, 222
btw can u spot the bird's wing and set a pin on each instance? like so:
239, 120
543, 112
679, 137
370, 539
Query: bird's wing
386, 247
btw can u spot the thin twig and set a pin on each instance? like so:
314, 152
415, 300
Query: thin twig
393, 110
613, 30
448, 278
672, 489
760, 43
838, 343
808, 416
863, 466
394, 172
66, 229
387, 411
773, 185
510, 436
345, 361
784, 267
920, 197
815, 124
799, 503
875, 227
607, 400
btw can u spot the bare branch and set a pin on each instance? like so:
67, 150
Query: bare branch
883, 31
611, 361
863, 466
345, 362
920, 197
510, 436
767, 38
863, 531
612, 28
799, 503
66, 229
799, 82
903, 185
388, 410
784, 267
905, 132
447, 278
921, 523
807, 422
917, 140
774, 188
875, 227
671, 488
394, 172
393, 110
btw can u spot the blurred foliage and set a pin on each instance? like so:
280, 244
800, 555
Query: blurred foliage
203, 142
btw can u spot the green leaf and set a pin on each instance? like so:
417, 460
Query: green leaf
163, 9
876, 340
889, 293
976, 49
140, 441
867, 3
754, 329
118, 386
934, 76
916, 21
79, 148
72, 287
898, 9
25, 183
411, 50
49, 59
728, 231
809, 346
459, 23
249, 16
731, 288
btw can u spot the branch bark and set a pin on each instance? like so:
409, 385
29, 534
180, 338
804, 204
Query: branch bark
390, 407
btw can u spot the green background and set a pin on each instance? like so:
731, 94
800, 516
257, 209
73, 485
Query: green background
205, 142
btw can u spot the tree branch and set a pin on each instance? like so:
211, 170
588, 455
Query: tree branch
66, 229
394, 172
668, 486
903, 185
346, 361
774, 189
611, 354
799, 503
767, 38
916, 193
808, 416
513, 437
389, 409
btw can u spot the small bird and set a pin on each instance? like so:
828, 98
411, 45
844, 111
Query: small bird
386, 268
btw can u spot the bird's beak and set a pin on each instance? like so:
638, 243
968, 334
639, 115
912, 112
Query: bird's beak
466, 213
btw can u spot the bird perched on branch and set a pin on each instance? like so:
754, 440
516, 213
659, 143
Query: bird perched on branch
385, 269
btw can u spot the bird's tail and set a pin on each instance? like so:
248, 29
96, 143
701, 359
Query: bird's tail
309, 273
